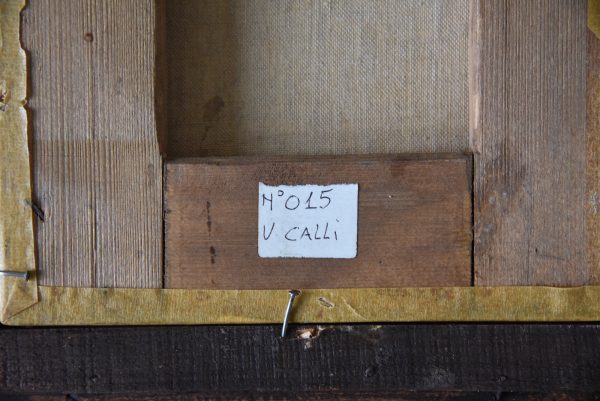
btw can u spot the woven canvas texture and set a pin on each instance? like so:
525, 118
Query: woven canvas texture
317, 77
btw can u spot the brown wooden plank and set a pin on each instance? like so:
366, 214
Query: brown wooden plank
530, 137
497, 358
593, 161
97, 170
414, 223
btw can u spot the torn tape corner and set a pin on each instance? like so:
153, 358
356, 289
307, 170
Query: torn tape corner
16, 217
21, 296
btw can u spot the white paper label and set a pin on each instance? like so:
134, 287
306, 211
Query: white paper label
307, 221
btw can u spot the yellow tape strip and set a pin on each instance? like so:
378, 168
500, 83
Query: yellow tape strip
91, 306
16, 231
594, 16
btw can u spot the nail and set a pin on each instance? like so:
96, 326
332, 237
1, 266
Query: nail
288, 311
8, 273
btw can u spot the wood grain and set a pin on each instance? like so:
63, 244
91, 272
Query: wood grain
407, 357
325, 395
593, 153
414, 223
530, 137
97, 170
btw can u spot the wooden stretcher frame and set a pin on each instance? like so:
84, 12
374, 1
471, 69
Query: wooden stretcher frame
27, 303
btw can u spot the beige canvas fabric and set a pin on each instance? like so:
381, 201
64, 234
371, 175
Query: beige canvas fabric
317, 77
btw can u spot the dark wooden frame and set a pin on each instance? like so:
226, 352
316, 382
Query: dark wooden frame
253, 361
